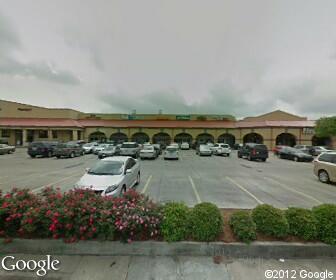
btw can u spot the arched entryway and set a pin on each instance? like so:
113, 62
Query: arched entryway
183, 137
140, 137
253, 138
285, 139
118, 137
204, 138
97, 137
162, 138
321, 141
227, 138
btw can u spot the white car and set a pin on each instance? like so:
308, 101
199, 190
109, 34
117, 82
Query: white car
130, 149
204, 150
99, 148
148, 151
176, 145
171, 152
222, 149
185, 146
88, 148
111, 176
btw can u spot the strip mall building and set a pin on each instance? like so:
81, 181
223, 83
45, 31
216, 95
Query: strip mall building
21, 124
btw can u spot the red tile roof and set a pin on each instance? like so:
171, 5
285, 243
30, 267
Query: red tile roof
34, 122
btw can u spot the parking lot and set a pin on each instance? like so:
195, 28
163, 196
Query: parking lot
228, 182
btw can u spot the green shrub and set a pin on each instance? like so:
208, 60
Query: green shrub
270, 220
325, 215
206, 222
243, 226
175, 221
302, 223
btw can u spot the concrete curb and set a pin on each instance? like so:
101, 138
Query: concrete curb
152, 248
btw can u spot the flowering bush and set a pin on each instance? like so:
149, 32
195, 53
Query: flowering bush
78, 215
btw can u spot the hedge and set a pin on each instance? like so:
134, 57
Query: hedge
243, 226
270, 220
325, 215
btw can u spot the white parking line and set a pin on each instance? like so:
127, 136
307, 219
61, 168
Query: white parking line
147, 184
56, 182
293, 190
244, 190
195, 190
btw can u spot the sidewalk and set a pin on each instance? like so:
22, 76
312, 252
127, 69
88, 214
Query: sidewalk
155, 268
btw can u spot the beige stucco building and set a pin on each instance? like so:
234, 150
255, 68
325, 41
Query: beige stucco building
22, 123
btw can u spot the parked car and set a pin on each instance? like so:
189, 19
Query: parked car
158, 147
171, 152
253, 151
130, 149
277, 148
204, 150
109, 151
237, 146
294, 154
221, 149
69, 149
88, 147
99, 148
317, 150
176, 145
325, 167
303, 148
42, 148
149, 151
111, 176
185, 146
6, 149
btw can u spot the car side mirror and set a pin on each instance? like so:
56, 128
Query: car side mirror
128, 171
87, 169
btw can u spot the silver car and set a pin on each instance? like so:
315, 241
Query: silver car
109, 151
130, 149
100, 147
89, 147
171, 152
204, 150
111, 176
148, 151
5, 149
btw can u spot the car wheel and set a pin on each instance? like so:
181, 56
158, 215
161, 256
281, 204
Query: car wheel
323, 176
122, 191
58, 157
239, 155
296, 159
32, 156
263, 159
138, 179
49, 154
249, 158
72, 155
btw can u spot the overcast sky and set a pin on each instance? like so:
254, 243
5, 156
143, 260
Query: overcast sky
181, 56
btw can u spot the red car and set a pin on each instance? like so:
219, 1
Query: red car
277, 148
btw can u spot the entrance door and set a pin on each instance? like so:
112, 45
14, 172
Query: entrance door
18, 137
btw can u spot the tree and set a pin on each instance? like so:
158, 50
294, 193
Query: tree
326, 127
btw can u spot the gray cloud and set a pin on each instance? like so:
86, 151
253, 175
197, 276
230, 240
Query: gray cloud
9, 65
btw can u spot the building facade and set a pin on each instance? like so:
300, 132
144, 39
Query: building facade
21, 124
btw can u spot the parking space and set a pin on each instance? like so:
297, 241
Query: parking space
228, 182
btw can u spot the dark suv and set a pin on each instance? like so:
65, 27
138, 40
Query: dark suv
42, 148
69, 149
253, 151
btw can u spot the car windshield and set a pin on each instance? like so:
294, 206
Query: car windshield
204, 147
109, 148
106, 168
62, 145
225, 146
128, 145
88, 145
171, 149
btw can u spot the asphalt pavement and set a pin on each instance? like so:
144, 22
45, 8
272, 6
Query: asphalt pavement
228, 182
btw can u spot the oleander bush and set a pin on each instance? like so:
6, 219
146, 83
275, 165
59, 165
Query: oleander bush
302, 223
206, 222
270, 220
175, 221
243, 226
325, 215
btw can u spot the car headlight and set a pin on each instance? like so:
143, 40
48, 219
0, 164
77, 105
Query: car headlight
111, 189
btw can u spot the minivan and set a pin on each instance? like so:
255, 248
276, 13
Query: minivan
42, 148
